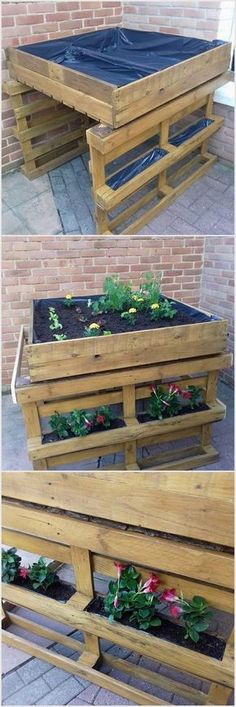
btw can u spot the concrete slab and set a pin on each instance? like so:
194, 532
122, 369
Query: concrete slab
14, 450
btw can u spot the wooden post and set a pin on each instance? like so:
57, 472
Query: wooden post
84, 584
208, 114
129, 413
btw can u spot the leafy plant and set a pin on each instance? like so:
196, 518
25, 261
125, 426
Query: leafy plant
195, 616
41, 575
167, 403
194, 396
118, 294
103, 416
54, 322
60, 425
80, 422
97, 306
59, 337
68, 301
92, 330
128, 595
167, 310
10, 565
129, 315
150, 288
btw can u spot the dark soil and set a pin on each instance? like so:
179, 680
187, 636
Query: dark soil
53, 436
73, 327
207, 644
60, 591
145, 417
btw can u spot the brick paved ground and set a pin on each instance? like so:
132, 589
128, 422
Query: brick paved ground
61, 203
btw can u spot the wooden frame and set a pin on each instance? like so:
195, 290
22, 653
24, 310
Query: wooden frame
104, 101
125, 387
180, 562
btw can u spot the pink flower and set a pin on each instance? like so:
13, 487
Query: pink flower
116, 601
169, 595
88, 423
153, 388
186, 394
119, 568
174, 389
23, 572
151, 584
175, 611
100, 419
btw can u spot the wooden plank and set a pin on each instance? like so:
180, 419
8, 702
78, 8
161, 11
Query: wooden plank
34, 107
48, 633
52, 163
38, 546
78, 100
52, 122
192, 459
12, 88
17, 364
51, 144
77, 668
204, 565
81, 561
99, 381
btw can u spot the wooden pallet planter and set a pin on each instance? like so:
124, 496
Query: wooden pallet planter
157, 185
37, 121
86, 373
161, 99
199, 507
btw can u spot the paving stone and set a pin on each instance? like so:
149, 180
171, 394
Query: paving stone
55, 676
40, 214
32, 670
201, 204
63, 650
17, 189
28, 695
89, 694
105, 697
62, 694
184, 228
10, 684
12, 225
77, 701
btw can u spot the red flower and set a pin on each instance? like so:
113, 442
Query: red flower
100, 419
186, 394
151, 584
119, 568
169, 595
23, 572
175, 611
116, 601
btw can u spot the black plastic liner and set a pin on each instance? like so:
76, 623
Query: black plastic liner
120, 56
191, 130
127, 173
196, 315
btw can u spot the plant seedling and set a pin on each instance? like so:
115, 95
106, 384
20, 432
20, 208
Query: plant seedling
81, 423
68, 301
60, 425
92, 330
10, 565
103, 416
60, 337
129, 315
53, 319
41, 575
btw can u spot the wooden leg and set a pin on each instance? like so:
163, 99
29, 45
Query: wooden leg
164, 135
22, 124
208, 113
98, 179
218, 694
129, 413
84, 584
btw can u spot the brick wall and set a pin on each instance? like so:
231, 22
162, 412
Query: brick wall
28, 22
79, 265
217, 286
194, 18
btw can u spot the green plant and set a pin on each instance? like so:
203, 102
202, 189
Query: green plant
92, 330
195, 616
128, 595
118, 294
81, 422
60, 337
53, 319
107, 332
103, 416
41, 575
68, 301
97, 306
10, 565
150, 288
167, 310
129, 315
194, 396
60, 425
164, 403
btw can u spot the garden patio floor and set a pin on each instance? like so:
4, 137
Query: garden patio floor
61, 203
15, 458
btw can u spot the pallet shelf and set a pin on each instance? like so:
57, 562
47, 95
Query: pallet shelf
125, 387
178, 559
128, 116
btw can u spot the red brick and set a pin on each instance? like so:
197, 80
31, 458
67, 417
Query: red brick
42, 7
29, 20
47, 27
71, 24
8, 21
14, 8
68, 6
57, 16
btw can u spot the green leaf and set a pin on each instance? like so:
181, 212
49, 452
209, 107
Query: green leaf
199, 602
201, 625
144, 625
155, 622
110, 618
193, 634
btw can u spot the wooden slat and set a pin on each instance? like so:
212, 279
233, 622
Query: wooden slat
198, 563
38, 546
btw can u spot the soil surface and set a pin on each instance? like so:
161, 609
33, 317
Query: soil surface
207, 644
53, 436
145, 417
75, 318
60, 591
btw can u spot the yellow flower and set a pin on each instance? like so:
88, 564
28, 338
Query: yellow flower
132, 310
68, 296
135, 297
94, 326
155, 306
140, 299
